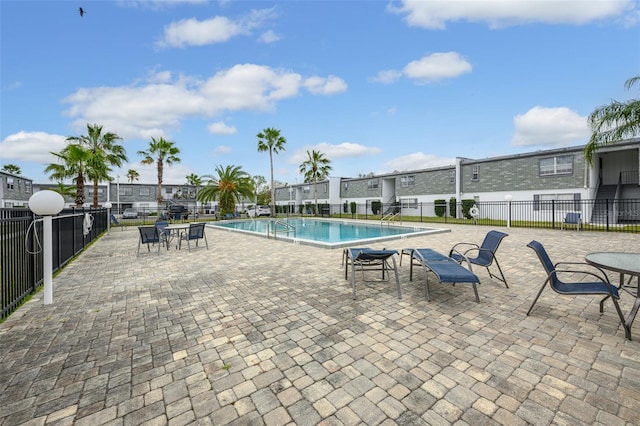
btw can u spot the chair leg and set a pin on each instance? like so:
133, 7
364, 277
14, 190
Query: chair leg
395, 269
353, 279
138, 252
426, 282
503, 279
539, 293
475, 291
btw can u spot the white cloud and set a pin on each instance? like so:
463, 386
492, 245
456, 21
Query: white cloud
221, 150
386, 77
219, 29
220, 128
416, 161
550, 126
428, 69
269, 37
436, 14
32, 146
437, 66
325, 85
333, 152
156, 106
157, 4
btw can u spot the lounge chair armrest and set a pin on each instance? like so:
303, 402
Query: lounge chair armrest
457, 250
587, 265
602, 277
463, 257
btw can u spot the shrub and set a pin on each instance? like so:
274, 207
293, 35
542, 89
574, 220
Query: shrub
354, 207
440, 206
466, 206
376, 206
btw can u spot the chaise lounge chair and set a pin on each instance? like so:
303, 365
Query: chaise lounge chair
370, 259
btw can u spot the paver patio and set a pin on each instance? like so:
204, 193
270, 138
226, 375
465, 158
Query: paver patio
256, 331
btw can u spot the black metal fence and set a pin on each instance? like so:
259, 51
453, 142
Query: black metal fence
595, 215
21, 258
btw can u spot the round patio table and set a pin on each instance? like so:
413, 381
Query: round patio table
624, 264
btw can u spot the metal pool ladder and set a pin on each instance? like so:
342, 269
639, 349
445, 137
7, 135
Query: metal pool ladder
272, 225
390, 217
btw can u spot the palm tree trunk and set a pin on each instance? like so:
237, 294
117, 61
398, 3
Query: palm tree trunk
273, 190
159, 196
95, 194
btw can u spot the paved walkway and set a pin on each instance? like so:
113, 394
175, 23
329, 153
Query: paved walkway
256, 331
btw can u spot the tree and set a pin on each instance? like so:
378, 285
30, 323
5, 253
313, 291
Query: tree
161, 152
132, 175
12, 168
316, 167
65, 190
262, 190
229, 185
73, 160
104, 153
194, 180
270, 140
614, 122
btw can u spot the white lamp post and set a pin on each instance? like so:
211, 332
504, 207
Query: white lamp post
46, 204
108, 206
508, 199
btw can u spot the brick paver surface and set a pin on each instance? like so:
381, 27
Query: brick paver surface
257, 331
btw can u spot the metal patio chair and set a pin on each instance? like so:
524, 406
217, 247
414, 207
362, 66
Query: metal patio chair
483, 255
148, 235
370, 259
597, 285
194, 233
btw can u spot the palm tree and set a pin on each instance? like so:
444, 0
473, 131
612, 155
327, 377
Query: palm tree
165, 152
73, 164
132, 175
229, 185
65, 190
194, 180
271, 140
614, 122
104, 151
12, 168
316, 167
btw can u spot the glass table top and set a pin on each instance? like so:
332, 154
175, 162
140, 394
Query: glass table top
628, 263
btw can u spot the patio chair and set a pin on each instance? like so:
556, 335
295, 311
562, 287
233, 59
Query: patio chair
572, 219
370, 259
483, 255
148, 235
598, 284
162, 232
194, 233
114, 220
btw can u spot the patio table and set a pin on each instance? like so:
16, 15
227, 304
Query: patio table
624, 264
174, 231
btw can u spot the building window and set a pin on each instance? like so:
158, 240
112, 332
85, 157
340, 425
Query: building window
144, 191
558, 202
326, 188
27, 187
409, 203
9, 183
452, 177
372, 184
407, 181
306, 189
561, 165
475, 173
168, 190
125, 190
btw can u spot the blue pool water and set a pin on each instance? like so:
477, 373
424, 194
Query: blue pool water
325, 233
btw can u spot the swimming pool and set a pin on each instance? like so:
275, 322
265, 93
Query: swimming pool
323, 233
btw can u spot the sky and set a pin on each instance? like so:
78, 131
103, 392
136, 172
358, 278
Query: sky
376, 86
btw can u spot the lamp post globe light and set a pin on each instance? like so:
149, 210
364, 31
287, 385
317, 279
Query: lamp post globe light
46, 204
508, 199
